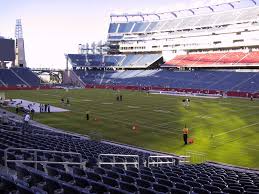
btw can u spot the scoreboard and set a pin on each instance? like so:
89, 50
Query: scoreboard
7, 50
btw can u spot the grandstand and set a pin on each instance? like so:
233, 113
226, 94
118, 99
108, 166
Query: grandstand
208, 42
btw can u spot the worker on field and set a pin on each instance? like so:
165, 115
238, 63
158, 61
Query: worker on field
87, 115
185, 135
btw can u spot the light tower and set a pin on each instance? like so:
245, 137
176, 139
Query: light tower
19, 47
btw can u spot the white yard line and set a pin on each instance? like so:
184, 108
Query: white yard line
254, 124
163, 111
134, 107
107, 103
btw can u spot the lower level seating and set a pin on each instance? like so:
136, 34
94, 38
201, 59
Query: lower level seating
210, 80
21, 177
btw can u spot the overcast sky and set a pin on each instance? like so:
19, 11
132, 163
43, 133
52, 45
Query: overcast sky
52, 28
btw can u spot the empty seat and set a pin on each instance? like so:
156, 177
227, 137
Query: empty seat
165, 182
112, 174
160, 176
212, 188
201, 191
202, 181
193, 184
176, 180
110, 181
93, 176
24, 190
98, 187
232, 191
128, 187
66, 177
79, 171
143, 183
52, 186
132, 174
117, 191
160, 188
99, 170
145, 172
183, 186
220, 185
241, 189
82, 182
143, 190
253, 190
178, 191
118, 170
127, 179
68, 189
134, 169
148, 178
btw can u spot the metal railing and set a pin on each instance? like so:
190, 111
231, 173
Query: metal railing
81, 163
196, 157
115, 157
161, 160
184, 159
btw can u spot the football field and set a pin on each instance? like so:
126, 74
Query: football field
224, 129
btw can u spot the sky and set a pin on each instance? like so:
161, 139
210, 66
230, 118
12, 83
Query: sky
53, 28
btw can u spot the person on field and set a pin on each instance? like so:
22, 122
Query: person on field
4, 119
185, 135
26, 120
17, 109
32, 113
48, 108
87, 115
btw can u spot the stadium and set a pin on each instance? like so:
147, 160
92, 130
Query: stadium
167, 104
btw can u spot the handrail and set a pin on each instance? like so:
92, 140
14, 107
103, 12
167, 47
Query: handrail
196, 157
114, 156
159, 162
35, 161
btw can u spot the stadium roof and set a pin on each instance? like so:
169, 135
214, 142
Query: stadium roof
193, 10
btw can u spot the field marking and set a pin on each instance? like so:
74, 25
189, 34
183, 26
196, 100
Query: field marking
165, 124
130, 123
198, 101
162, 111
133, 107
236, 129
107, 103
203, 117
87, 100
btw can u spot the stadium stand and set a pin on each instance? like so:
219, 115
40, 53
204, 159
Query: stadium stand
227, 59
58, 171
28, 76
128, 61
22, 77
210, 80
9, 78
214, 19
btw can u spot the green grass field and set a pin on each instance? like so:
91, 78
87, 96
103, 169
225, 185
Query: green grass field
225, 129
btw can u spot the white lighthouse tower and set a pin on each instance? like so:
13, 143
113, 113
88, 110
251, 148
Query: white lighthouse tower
19, 47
